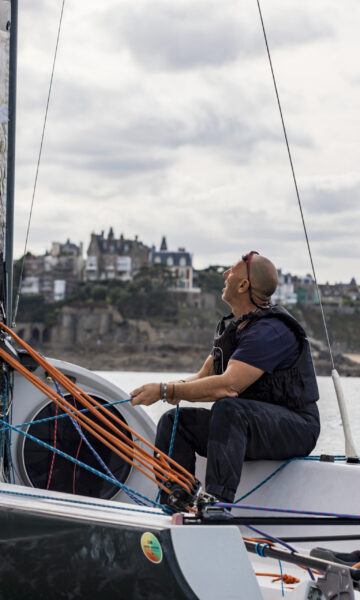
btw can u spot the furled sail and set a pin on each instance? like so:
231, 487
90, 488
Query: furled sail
4, 99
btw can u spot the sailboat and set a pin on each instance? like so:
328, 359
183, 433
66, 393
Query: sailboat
78, 519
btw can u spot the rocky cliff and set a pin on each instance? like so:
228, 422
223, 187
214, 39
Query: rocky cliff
99, 338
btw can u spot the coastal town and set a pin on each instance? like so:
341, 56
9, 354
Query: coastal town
129, 305
57, 274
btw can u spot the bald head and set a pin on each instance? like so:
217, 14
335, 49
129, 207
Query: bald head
263, 276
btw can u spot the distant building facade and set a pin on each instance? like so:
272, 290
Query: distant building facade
179, 262
56, 274
110, 258
284, 293
338, 294
305, 289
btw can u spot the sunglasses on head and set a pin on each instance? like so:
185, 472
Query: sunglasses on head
246, 258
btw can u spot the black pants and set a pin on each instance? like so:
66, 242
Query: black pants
233, 430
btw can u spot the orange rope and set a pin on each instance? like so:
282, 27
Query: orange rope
314, 571
135, 453
87, 400
286, 578
260, 540
59, 401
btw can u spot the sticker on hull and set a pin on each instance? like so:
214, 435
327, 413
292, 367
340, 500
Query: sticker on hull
151, 547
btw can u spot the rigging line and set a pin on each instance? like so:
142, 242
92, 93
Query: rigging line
89, 445
65, 415
38, 164
296, 186
85, 466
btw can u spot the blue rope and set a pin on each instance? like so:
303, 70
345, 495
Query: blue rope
171, 446
282, 579
173, 433
92, 449
259, 485
285, 464
85, 466
64, 415
277, 540
272, 538
260, 547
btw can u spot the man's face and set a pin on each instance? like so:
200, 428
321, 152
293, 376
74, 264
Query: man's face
233, 278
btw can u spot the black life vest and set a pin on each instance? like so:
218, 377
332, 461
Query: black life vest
293, 387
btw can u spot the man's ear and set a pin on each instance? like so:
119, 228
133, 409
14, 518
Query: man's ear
243, 286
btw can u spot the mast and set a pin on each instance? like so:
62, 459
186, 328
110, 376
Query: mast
10, 188
8, 59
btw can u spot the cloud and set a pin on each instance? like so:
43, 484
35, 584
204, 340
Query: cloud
188, 35
332, 196
163, 121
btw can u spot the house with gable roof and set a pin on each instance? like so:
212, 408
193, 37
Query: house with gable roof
180, 264
111, 258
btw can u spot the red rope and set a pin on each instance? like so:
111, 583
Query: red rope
54, 453
77, 455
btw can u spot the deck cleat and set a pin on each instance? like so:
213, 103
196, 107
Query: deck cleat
207, 509
180, 499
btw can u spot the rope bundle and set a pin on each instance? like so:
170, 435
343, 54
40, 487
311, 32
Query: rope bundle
160, 468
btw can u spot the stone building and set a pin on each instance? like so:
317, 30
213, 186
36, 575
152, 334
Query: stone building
55, 274
111, 258
180, 264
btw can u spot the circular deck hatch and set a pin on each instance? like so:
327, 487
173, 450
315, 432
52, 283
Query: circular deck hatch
65, 476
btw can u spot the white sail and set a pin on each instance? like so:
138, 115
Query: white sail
4, 98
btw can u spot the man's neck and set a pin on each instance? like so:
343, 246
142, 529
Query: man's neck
247, 307
244, 309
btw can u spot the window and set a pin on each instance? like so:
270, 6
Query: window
169, 261
91, 262
59, 289
123, 263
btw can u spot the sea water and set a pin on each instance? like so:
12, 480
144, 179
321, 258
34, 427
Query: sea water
331, 440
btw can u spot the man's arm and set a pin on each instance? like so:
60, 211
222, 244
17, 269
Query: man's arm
237, 377
206, 370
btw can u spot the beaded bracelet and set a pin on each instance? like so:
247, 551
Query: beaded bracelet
163, 392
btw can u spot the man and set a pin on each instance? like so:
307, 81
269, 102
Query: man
261, 379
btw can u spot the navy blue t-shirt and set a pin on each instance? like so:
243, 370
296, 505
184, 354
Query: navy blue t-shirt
267, 344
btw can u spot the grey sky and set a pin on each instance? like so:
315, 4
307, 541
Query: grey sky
163, 120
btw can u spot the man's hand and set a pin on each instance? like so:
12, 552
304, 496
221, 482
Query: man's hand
146, 394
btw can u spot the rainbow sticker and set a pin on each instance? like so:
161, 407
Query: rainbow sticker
151, 547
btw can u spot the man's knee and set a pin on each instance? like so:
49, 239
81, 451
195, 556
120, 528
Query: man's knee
223, 405
230, 411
